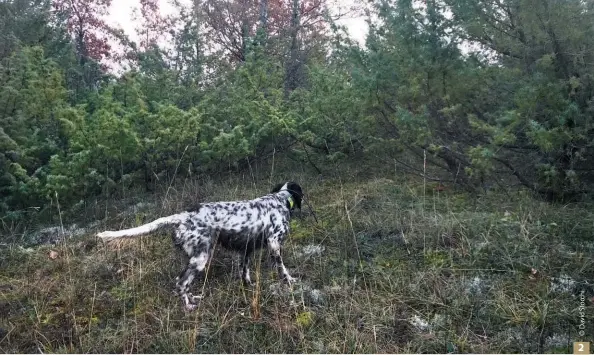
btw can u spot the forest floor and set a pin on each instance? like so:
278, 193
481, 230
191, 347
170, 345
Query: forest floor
393, 266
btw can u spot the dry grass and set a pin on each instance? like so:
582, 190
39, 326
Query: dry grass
452, 274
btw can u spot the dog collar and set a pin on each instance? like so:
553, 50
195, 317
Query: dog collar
291, 202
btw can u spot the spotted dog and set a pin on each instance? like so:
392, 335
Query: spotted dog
243, 226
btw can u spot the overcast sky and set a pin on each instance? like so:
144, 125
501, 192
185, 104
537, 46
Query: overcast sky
121, 16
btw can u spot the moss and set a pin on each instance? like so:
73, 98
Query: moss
304, 319
437, 259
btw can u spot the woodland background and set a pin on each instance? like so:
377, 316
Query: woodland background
493, 92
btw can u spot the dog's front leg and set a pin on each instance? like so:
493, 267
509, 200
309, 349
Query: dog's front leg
245, 268
274, 247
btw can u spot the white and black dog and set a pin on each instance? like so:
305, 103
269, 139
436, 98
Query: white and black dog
242, 226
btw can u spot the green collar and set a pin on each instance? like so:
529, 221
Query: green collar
291, 202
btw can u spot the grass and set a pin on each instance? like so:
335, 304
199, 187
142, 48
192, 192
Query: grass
388, 269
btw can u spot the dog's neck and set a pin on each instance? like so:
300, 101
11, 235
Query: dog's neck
291, 202
284, 194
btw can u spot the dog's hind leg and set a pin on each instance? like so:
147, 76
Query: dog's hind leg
195, 268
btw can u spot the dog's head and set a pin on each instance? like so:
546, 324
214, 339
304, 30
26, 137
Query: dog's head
294, 189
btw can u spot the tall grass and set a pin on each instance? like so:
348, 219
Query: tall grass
393, 266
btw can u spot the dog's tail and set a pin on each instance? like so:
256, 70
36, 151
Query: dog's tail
145, 228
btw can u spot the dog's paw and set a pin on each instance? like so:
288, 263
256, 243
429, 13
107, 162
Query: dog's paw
290, 279
189, 307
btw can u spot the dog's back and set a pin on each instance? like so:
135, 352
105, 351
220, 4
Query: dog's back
243, 217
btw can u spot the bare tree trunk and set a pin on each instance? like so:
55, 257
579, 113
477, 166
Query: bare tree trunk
293, 66
245, 32
263, 31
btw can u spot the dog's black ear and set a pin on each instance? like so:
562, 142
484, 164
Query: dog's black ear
296, 192
276, 188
